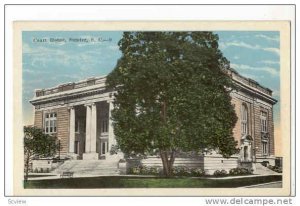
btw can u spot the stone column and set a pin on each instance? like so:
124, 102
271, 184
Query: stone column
93, 134
111, 135
72, 131
88, 129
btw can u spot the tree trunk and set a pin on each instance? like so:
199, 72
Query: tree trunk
27, 168
167, 162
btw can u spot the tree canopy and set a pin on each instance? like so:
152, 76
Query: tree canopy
172, 95
37, 144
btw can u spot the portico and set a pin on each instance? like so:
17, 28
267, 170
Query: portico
86, 128
91, 134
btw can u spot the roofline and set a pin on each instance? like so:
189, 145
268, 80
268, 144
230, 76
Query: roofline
96, 86
249, 79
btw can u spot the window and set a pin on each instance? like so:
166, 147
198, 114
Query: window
265, 147
104, 126
50, 123
263, 121
244, 119
103, 148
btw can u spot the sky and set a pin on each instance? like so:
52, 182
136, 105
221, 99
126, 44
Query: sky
51, 58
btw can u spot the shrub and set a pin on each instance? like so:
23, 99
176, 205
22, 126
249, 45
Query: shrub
240, 171
275, 168
135, 170
114, 149
265, 163
154, 171
181, 171
189, 172
144, 170
197, 172
220, 173
176, 171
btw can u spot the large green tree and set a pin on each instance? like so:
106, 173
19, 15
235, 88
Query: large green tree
37, 144
172, 95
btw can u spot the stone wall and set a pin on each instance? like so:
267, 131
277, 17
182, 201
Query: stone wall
179, 162
38, 165
270, 160
45, 165
213, 163
208, 163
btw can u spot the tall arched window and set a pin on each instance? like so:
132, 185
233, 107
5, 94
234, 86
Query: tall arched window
244, 119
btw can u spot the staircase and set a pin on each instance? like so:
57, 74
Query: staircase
262, 170
85, 168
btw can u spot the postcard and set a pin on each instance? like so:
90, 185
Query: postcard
164, 108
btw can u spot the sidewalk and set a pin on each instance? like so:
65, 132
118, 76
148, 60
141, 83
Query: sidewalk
43, 176
243, 176
57, 176
277, 184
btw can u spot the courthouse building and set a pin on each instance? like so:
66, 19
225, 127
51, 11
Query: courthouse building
79, 115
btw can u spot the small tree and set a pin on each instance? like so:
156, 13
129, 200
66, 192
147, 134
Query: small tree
37, 144
173, 95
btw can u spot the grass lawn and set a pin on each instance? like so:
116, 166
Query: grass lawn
147, 182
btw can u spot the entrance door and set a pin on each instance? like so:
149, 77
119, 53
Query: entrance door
104, 147
77, 150
76, 147
246, 153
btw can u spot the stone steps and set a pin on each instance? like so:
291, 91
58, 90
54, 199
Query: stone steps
262, 170
89, 167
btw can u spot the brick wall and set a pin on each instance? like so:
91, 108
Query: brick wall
38, 119
62, 126
237, 129
254, 124
270, 124
63, 129
257, 129
271, 131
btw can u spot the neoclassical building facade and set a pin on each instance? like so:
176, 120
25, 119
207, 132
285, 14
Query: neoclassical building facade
254, 129
79, 115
